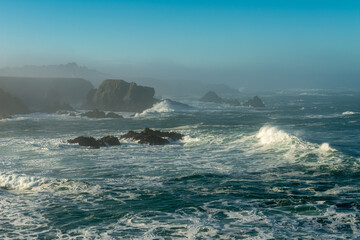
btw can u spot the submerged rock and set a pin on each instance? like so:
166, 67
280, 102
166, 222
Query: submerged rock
93, 143
254, 102
152, 137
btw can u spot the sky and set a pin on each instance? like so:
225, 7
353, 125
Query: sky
246, 44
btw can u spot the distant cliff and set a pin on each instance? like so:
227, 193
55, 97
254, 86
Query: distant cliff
10, 105
69, 70
38, 93
119, 95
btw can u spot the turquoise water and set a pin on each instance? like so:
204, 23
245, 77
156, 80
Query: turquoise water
290, 170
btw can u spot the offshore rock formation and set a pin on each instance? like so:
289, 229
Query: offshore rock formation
118, 95
10, 105
254, 102
214, 98
152, 137
93, 143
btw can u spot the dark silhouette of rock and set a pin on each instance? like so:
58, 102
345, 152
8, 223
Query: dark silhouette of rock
85, 141
93, 143
113, 115
118, 95
214, 98
151, 137
175, 103
211, 97
11, 105
109, 140
254, 102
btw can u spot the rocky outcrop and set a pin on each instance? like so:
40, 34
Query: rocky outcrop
211, 97
214, 98
4, 116
118, 95
254, 102
85, 141
151, 137
93, 143
100, 114
11, 105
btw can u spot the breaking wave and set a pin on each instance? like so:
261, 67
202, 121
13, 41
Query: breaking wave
165, 106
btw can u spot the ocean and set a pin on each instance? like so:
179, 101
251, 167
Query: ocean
287, 171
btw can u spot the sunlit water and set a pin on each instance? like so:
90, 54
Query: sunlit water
290, 170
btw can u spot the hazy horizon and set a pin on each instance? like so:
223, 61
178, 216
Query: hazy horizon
262, 45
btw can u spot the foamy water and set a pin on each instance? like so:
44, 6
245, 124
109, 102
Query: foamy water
238, 173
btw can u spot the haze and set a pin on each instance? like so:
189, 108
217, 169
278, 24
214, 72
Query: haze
245, 44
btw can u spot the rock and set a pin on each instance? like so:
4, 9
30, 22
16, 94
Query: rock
254, 102
211, 97
109, 140
151, 137
85, 141
72, 114
113, 115
214, 98
94, 114
119, 95
11, 105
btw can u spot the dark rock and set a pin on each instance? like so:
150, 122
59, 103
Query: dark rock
254, 102
151, 137
11, 105
214, 98
109, 140
85, 141
113, 115
211, 97
179, 104
118, 95
94, 114
72, 114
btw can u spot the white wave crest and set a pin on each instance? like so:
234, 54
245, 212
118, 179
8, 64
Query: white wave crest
22, 182
165, 106
349, 113
294, 149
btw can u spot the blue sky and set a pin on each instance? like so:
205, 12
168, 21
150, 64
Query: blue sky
231, 41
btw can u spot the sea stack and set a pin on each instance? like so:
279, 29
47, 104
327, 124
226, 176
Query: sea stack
121, 96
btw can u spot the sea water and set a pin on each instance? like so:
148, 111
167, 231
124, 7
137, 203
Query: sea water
287, 171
